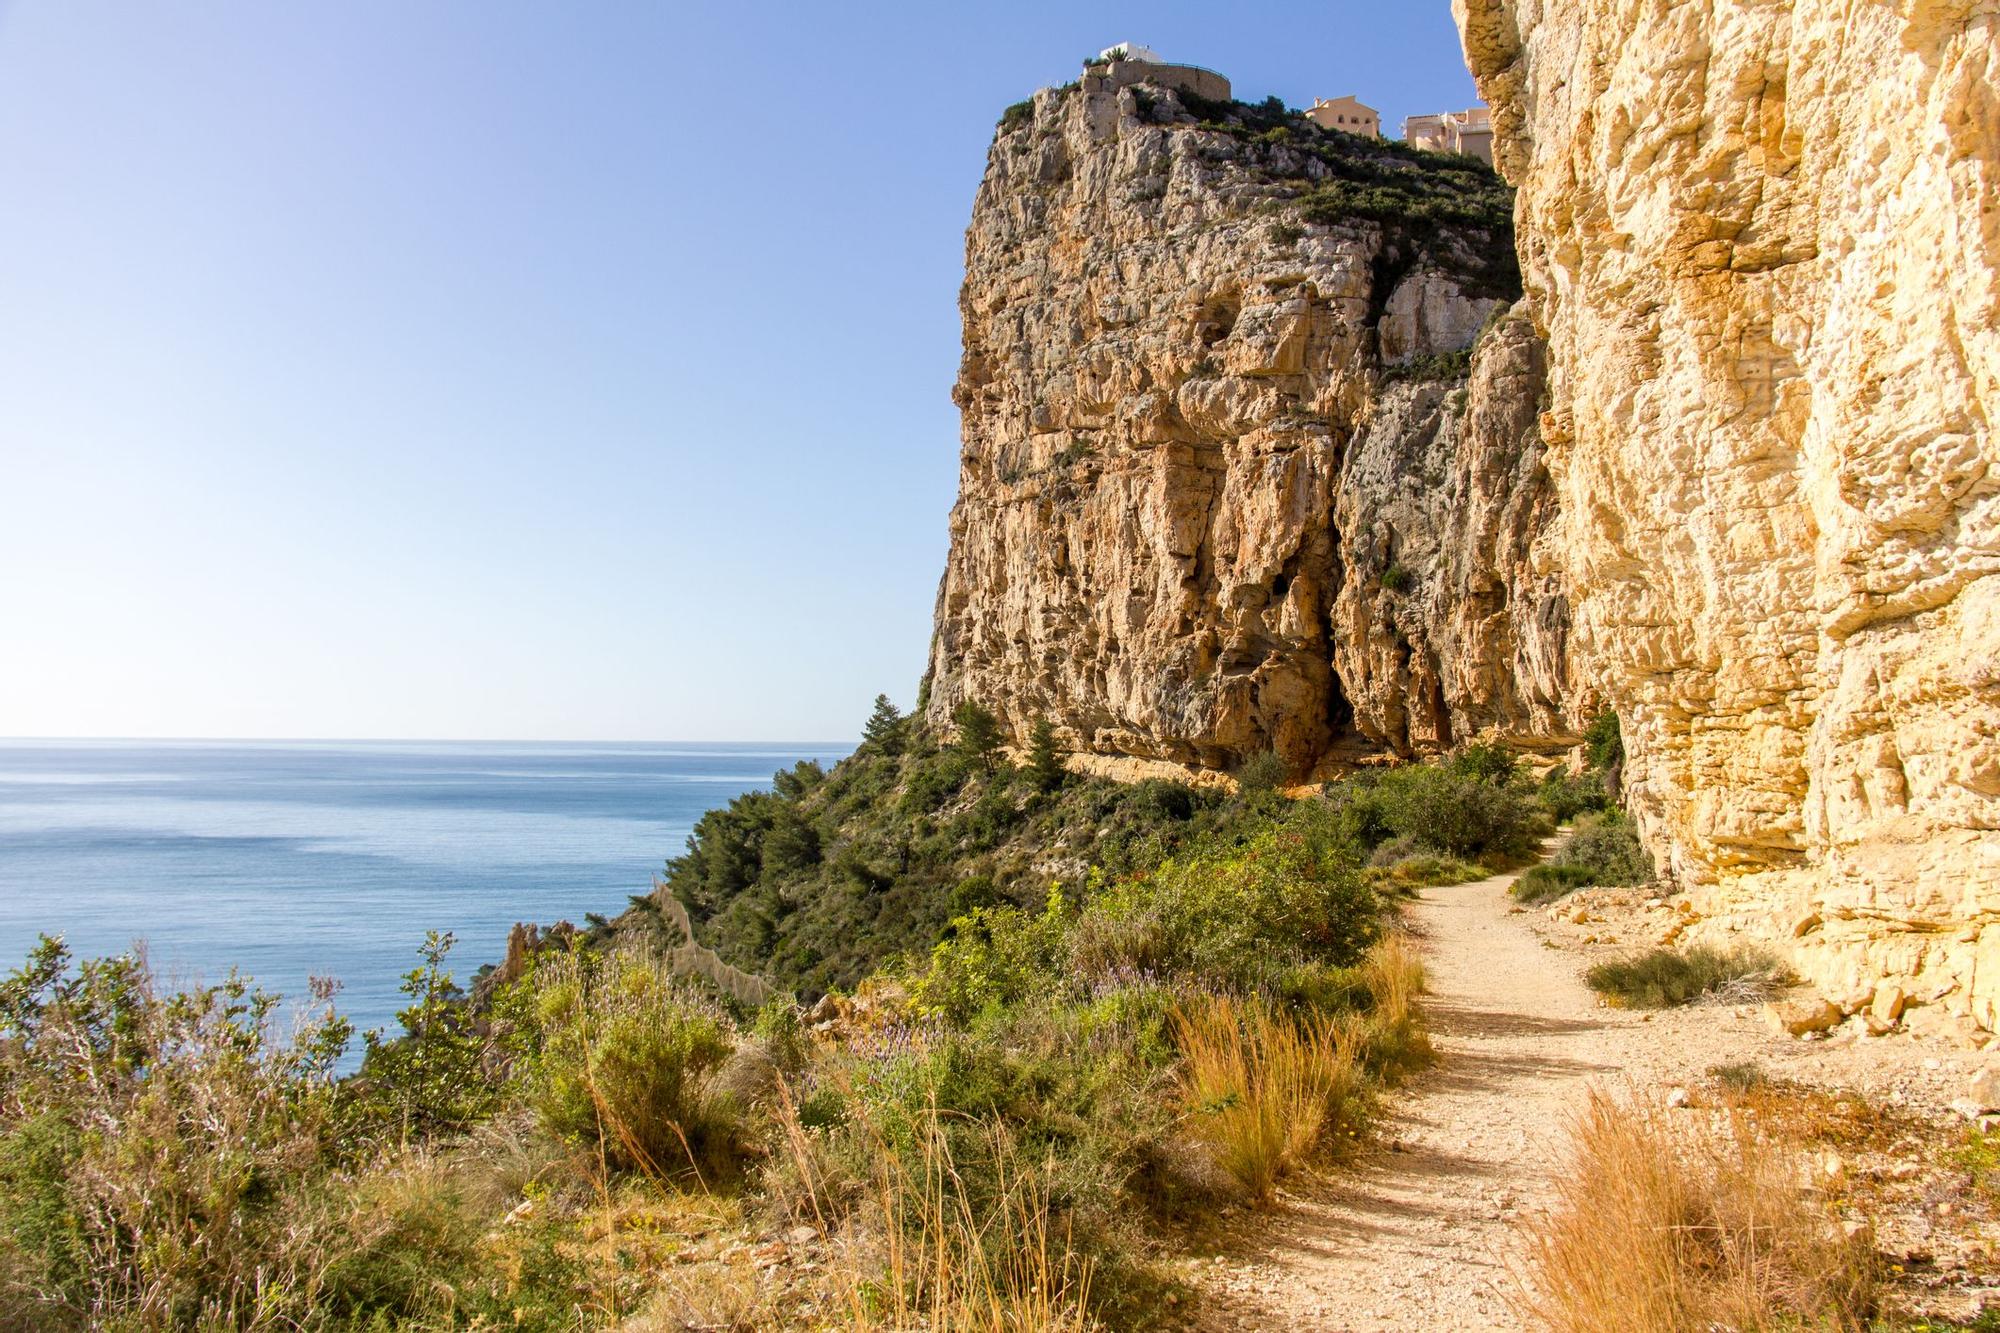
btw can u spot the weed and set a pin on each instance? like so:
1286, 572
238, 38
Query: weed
1980, 1159
1663, 978
1739, 1078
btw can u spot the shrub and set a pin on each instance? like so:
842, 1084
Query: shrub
928, 785
1567, 795
1238, 916
431, 1079
1606, 848
1740, 1077
155, 1148
1261, 773
1663, 978
1664, 1223
1262, 1089
1017, 115
1457, 814
994, 956
1405, 863
1604, 742
1425, 369
619, 1058
1544, 883
1398, 578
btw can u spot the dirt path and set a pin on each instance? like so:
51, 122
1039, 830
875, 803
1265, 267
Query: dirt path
1421, 1234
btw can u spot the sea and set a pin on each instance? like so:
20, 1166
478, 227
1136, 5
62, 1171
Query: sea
288, 860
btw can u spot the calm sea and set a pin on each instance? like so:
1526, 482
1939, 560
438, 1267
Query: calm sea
297, 859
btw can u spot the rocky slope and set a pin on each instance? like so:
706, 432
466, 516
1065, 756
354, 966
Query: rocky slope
1764, 243
1226, 482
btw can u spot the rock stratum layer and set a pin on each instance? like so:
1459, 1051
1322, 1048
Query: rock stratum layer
1230, 481
1763, 241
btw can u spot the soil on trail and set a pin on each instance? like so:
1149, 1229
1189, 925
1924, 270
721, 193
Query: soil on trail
1422, 1231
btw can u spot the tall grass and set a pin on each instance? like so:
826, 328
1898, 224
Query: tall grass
1665, 1221
1393, 975
1263, 1088
940, 1246
1000, 1265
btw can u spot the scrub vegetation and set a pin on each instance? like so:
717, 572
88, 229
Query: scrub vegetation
1128, 1006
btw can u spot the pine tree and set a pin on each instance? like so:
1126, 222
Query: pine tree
885, 730
978, 731
1045, 761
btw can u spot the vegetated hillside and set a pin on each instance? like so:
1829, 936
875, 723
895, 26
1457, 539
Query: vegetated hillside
1250, 458
833, 875
1030, 1106
820, 881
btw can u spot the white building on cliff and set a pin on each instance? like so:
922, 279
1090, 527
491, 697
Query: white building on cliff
1469, 132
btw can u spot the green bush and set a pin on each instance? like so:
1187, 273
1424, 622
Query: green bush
619, 1057
1237, 916
1607, 847
1604, 742
1663, 978
994, 956
1566, 795
1261, 773
1449, 807
1426, 369
1422, 870
155, 1148
430, 1079
1397, 578
1545, 883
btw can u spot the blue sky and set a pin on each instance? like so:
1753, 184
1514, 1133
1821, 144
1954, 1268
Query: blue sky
528, 371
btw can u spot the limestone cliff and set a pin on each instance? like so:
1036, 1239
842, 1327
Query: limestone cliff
1228, 482
1764, 243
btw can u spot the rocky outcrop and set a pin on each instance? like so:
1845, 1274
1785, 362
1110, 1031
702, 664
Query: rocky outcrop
1764, 243
1227, 483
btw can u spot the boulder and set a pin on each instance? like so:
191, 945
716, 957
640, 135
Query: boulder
1983, 1088
1803, 1016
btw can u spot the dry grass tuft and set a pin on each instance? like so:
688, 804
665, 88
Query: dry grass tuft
1262, 1088
928, 1248
1676, 1221
1393, 973
998, 1266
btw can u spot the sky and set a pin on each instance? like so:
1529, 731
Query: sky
492, 370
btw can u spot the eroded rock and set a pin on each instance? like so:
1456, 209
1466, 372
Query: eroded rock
1762, 242
1223, 487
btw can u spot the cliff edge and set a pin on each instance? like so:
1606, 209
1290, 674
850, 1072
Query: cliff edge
1764, 243
1251, 458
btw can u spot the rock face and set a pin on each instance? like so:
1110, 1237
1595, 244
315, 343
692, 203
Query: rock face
1764, 243
1230, 481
